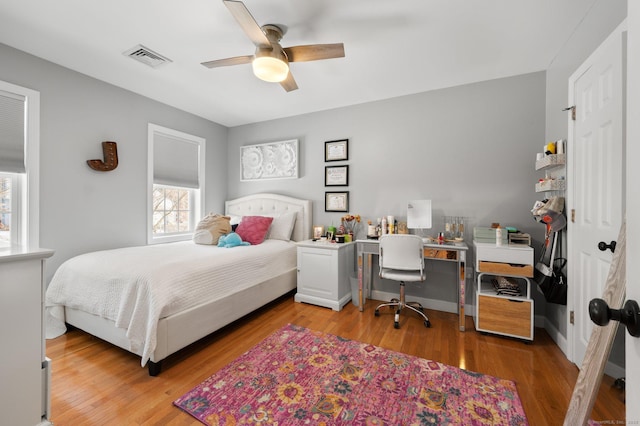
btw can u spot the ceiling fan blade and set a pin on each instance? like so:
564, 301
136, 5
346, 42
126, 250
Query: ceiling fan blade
247, 22
289, 83
314, 52
238, 60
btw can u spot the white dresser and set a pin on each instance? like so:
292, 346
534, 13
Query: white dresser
24, 369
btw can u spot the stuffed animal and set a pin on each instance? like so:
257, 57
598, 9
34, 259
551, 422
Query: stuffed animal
231, 240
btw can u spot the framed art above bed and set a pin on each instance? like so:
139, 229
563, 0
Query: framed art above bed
274, 160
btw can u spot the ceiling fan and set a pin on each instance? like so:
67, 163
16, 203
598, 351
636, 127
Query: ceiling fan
271, 61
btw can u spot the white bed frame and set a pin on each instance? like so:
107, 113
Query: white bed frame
180, 330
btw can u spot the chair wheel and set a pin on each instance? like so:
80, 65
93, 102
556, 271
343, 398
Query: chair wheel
396, 325
427, 324
376, 313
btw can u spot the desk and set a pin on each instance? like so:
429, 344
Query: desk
448, 252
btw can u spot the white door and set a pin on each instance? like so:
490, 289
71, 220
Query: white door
595, 180
633, 203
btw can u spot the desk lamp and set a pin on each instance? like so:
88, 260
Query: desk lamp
419, 215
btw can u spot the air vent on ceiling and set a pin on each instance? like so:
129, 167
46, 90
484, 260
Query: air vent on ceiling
146, 56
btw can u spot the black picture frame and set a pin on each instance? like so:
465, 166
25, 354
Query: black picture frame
336, 201
337, 150
336, 175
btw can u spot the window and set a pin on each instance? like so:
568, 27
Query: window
19, 165
176, 184
172, 209
5, 210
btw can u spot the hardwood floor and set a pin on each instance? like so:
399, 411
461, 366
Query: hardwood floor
95, 383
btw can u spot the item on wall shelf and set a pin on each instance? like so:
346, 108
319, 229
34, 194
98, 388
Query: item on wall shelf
275, 160
336, 150
336, 176
110, 154
336, 201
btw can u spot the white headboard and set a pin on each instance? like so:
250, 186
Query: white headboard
273, 204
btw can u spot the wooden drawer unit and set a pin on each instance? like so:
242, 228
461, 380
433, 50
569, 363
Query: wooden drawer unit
501, 315
502, 312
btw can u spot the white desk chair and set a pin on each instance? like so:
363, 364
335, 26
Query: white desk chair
401, 259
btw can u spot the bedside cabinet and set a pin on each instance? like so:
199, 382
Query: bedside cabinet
323, 273
500, 312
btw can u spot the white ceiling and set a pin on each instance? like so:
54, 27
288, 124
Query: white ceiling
392, 48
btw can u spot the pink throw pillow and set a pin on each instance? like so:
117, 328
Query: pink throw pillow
253, 229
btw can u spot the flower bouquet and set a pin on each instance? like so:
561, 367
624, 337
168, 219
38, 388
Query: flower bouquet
350, 223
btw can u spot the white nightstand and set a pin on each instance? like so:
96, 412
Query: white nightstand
323, 273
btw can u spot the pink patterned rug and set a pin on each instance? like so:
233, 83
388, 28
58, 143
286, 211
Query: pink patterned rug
298, 376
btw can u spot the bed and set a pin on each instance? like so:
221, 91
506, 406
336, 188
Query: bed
88, 291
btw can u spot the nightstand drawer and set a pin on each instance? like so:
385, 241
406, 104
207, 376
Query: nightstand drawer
511, 317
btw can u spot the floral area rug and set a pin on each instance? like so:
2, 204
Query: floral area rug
301, 377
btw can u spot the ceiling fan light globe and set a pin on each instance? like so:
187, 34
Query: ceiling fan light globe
270, 69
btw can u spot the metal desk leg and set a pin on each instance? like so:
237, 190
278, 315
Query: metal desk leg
462, 257
360, 281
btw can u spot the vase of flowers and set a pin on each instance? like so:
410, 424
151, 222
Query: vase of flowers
350, 223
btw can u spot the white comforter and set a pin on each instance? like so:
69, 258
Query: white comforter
136, 286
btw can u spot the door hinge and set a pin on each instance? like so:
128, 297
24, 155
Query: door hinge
572, 318
573, 111
573, 215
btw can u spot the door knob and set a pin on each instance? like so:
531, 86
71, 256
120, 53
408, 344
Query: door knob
603, 246
629, 315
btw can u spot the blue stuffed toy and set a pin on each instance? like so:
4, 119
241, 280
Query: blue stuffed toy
231, 240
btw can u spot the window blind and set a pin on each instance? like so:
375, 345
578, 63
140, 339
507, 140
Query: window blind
175, 161
12, 133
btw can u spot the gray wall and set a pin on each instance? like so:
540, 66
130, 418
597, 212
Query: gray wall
602, 19
470, 149
83, 210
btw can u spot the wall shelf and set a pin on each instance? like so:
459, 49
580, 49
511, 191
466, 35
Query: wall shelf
549, 161
551, 185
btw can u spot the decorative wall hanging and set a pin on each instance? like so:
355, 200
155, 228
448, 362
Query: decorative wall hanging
336, 176
110, 154
275, 160
336, 201
336, 150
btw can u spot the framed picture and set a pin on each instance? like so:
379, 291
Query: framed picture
336, 150
275, 160
336, 176
318, 232
336, 201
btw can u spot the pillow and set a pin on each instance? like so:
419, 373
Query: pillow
254, 228
282, 227
210, 228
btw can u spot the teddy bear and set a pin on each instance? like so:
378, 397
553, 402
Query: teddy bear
231, 240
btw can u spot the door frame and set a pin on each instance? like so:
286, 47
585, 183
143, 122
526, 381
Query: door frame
570, 204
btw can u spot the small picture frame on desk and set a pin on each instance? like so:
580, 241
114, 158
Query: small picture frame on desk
336, 176
318, 232
336, 150
336, 201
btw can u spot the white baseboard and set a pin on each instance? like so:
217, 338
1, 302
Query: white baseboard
610, 369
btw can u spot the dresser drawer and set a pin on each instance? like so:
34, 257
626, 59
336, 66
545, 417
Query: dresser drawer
512, 317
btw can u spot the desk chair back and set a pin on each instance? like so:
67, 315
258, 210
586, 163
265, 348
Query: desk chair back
401, 252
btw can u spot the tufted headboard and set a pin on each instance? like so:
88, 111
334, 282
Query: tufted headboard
273, 204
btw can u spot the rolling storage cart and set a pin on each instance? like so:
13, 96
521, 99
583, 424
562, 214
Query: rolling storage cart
499, 311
